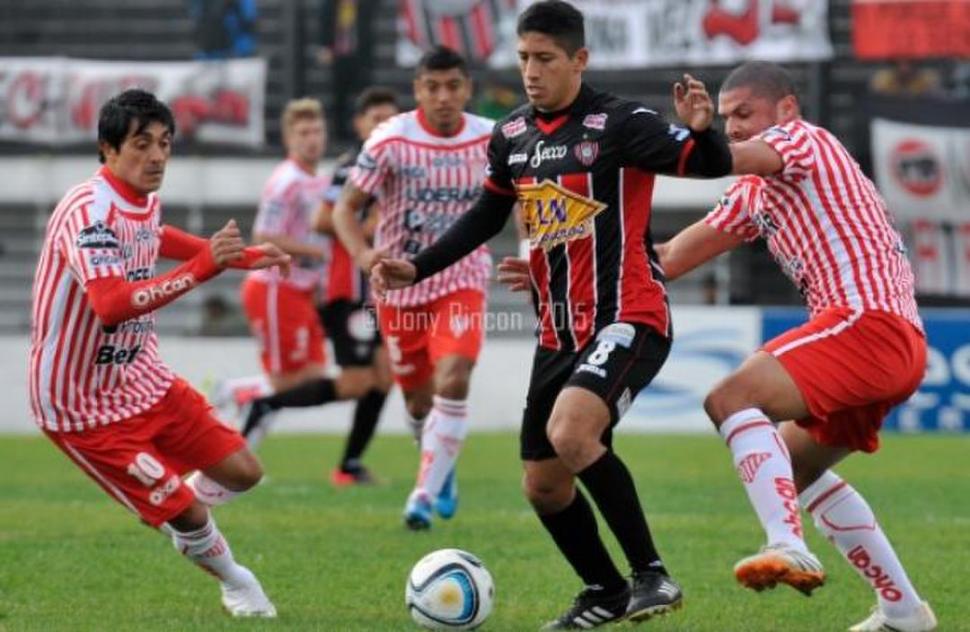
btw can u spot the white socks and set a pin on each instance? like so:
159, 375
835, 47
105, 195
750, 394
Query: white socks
210, 551
444, 432
208, 491
844, 517
764, 466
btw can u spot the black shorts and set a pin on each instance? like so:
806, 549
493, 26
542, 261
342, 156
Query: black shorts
616, 364
352, 329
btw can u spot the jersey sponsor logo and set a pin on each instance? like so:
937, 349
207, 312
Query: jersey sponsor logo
880, 580
105, 260
97, 235
413, 171
444, 194
587, 151
166, 489
777, 131
679, 133
766, 224
543, 153
513, 128
618, 333
589, 368
138, 274
555, 215
447, 160
110, 354
152, 293
144, 234
595, 121
518, 159
366, 161
427, 222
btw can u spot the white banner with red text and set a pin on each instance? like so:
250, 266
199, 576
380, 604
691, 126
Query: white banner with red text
55, 100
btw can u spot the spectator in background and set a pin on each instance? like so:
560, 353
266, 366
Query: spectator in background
497, 98
347, 48
905, 79
224, 28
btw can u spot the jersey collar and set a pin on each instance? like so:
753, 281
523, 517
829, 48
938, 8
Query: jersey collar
549, 122
122, 188
426, 126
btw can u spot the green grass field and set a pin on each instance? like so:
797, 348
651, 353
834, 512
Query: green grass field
72, 559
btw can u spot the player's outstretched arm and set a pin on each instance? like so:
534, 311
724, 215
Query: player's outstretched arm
693, 246
181, 246
116, 300
755, 157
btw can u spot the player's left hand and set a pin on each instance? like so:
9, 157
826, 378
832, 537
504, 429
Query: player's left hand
694, 105
272, 256
391, 274
513, 273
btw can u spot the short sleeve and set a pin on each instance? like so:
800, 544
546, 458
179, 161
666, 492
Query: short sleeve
271, 218
374, 162
733, 212
652, 144
794, 145
498, 176
92, 247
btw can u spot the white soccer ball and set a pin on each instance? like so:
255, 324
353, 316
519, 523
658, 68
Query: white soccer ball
449, 589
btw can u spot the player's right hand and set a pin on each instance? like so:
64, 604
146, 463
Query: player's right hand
694, 105
513, 273
272, 256
227, 244
391, 274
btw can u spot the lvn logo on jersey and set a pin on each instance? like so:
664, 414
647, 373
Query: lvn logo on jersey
555, 215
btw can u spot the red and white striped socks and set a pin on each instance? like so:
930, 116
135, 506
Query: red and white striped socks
764, 467
441, 441
210, 551
844, 517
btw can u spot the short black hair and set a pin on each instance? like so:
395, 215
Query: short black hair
764, 78
137, 105
441, 58
374, 96
559, 20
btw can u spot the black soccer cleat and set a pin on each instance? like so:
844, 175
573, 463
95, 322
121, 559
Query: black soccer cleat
591, 609
652, 594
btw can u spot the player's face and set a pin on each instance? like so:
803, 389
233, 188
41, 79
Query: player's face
442, 95
305, 141
140, 160
550, 76
373, 116
747, 114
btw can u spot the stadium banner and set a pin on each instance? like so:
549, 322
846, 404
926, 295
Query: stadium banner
56, 100
643, 33
893, 29
942, 402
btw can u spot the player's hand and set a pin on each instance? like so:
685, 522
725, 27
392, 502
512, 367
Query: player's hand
391, 274
368, 258
227, 244
273, 256
694, 105
513, 273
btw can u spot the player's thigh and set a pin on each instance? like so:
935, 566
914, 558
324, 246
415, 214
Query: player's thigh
286, 326
405, 332
127, 465
760, 382
550, 371
810, 459
458, 326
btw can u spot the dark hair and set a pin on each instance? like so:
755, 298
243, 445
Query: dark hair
137, 105
441, 58
374, 96
763, 77
559, 20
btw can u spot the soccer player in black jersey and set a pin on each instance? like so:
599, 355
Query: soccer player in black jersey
581, 164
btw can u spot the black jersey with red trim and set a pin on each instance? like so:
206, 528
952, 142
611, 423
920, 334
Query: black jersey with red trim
584, 181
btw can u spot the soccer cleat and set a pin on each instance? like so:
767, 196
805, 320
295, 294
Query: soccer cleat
358, 475
780, 563
417, 512
923, 620
652, 594
446, 503
247, 600
591, 609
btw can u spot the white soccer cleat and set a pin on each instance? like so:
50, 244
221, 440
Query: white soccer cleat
923, 620
780, 564
247, 600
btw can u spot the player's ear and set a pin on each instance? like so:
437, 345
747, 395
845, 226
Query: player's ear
788, 108
580, 59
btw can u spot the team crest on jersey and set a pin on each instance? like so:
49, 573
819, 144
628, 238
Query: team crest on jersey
97, 235
513, 128
587, 151
595, 121
555, 215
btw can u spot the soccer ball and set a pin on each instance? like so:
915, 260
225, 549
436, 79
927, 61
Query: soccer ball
449, 589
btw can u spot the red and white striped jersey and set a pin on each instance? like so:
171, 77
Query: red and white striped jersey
290, 198
82, 374
825, 224
424, 182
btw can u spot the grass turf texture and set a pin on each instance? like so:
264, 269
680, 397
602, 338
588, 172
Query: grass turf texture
72, 559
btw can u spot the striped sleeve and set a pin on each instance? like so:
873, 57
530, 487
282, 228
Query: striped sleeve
793, 143
90, 245
734, 211
374, 164
274, 209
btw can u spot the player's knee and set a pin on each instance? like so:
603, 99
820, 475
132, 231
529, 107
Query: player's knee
721, 403
546, 496
246, 474
418, 408
453, 384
